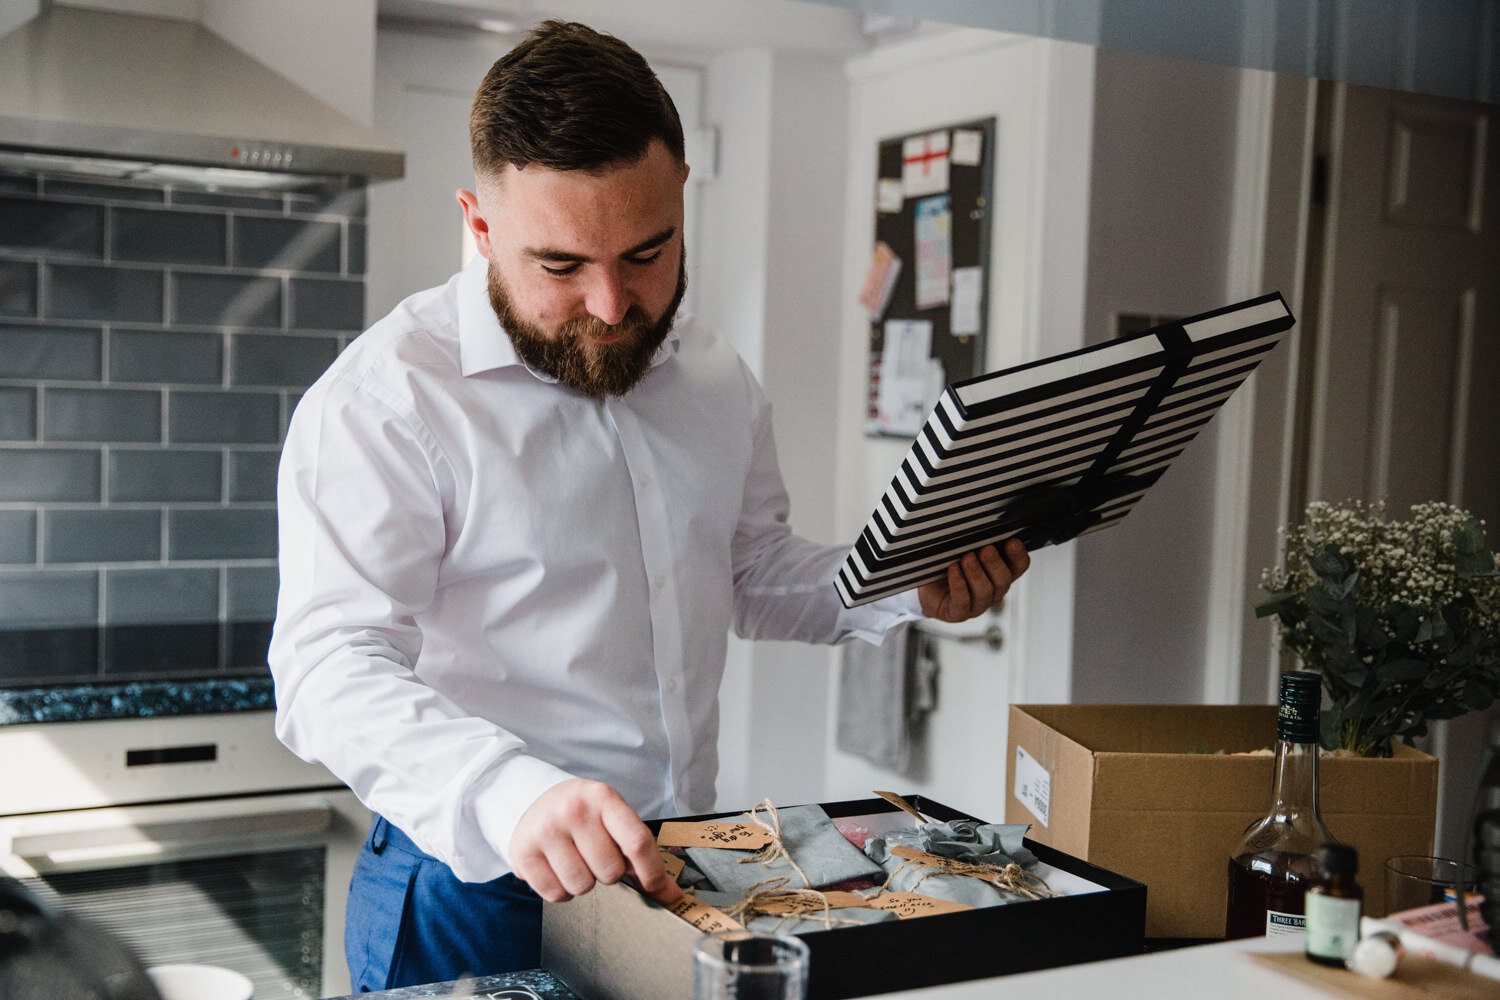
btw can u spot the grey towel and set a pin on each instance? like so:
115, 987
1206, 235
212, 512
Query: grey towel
885, 693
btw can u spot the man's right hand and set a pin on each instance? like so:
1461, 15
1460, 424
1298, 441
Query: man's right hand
580, 832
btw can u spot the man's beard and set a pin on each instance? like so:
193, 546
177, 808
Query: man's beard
596, 370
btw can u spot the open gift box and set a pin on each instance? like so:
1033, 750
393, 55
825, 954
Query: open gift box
613, 942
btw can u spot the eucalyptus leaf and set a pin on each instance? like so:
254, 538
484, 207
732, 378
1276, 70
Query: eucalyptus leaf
1476, 697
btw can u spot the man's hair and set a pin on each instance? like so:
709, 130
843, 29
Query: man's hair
570, 98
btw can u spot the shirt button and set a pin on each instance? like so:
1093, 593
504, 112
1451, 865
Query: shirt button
671, 686
659, 582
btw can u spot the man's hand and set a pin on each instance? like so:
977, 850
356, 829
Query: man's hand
580, 832
975, 583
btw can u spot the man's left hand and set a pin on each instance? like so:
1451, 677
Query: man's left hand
975, 583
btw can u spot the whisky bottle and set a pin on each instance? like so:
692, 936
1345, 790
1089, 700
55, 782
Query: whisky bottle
1274, 862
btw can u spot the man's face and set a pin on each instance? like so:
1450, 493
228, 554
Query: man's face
586, 269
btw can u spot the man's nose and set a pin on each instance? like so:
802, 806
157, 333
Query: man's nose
608, 297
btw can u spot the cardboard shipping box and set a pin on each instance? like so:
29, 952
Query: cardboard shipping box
614, 942
1144, 791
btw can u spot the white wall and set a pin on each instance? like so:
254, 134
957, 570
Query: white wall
1165, 146
1041, 94
770, 280
327, 48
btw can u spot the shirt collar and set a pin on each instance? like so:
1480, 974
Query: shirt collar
483, 344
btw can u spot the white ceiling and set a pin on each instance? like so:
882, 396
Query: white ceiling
703, 26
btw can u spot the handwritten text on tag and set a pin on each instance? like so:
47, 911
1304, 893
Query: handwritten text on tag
914, 904
739, 836
701, 915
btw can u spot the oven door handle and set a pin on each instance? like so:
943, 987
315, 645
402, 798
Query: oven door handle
114, 842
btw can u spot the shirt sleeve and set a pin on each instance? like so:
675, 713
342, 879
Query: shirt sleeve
783, 584
362, 533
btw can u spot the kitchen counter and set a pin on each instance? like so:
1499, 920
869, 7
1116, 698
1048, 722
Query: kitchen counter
1223, 970
511, 986
142, 699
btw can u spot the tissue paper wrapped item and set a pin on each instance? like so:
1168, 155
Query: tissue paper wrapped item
997, 844
978, 864
816, 853
816, 919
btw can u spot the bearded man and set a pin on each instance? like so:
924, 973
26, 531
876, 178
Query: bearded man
519, 516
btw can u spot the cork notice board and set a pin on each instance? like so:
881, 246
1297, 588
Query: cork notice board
925, 291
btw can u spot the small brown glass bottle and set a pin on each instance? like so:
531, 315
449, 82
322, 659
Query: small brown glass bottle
1334, 904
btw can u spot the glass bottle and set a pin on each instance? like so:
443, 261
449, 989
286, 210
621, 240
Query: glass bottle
1334, 905
1274, 861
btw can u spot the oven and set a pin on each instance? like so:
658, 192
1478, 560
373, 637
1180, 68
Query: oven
194, 838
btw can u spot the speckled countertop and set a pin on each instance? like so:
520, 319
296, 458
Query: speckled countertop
138, 699
536, 984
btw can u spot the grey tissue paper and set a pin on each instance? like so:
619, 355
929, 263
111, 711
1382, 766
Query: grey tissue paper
820, 850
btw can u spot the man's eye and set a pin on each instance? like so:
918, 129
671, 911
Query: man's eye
560, 272
650, 258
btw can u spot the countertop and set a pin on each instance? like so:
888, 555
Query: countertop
1225, 970
140, 699
533, 985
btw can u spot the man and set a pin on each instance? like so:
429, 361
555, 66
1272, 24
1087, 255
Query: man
519, 516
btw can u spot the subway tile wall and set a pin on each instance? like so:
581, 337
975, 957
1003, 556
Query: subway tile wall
153, 341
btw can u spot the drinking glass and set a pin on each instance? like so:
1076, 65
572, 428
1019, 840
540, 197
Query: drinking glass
1413, 880
743, 965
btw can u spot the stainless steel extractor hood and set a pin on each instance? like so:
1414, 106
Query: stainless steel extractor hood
106, 94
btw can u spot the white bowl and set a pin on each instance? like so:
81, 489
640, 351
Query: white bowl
200, 982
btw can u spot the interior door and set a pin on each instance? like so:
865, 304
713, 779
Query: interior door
1408, 332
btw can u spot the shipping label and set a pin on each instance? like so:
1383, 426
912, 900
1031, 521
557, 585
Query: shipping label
1033, 784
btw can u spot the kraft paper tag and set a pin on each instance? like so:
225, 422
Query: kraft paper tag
920, 857
737, 836
808, 903
702, 916
673, 863
900, 803
914, 904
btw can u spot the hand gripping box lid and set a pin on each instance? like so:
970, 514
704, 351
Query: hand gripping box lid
614, 942
1144, 791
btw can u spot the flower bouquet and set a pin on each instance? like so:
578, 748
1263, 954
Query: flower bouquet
1402, 618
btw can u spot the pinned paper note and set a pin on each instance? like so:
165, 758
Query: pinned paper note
964, 311
736, 836
702, 916
880, 280
910, 378
888, 195
968, 147
934, 232
913, 904
924, 164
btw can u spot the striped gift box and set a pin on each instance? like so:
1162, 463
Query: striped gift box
1056, 448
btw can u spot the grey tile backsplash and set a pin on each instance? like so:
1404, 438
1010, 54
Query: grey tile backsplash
153, 342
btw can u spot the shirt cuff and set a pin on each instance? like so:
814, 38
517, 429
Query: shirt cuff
498, 805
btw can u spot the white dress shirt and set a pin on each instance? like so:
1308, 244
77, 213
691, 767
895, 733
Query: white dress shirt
491, 583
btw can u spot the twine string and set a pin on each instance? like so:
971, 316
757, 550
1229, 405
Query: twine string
760, 899
1011, 877
775, 850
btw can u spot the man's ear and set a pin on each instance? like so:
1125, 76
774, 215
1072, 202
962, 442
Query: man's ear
475, 220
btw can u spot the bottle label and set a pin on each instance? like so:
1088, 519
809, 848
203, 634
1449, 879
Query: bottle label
1280, 924
1332, 925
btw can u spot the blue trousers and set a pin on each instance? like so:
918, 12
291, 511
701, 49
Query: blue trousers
411, 921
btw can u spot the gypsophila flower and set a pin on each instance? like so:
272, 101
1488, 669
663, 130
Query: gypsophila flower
1402, 618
